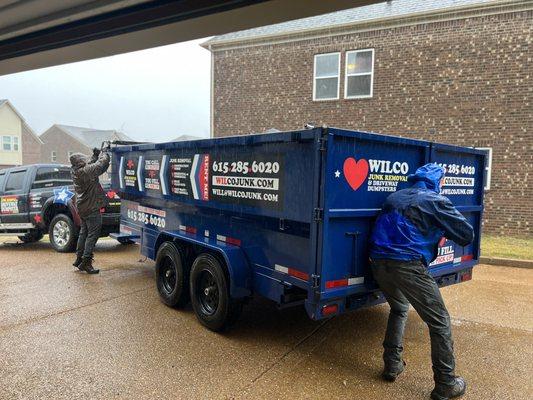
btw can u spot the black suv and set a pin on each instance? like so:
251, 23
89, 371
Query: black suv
39, 198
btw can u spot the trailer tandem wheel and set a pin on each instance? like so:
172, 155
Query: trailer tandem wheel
171, 276
210, 294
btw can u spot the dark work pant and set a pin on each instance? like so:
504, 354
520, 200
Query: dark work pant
409, 282
89, 234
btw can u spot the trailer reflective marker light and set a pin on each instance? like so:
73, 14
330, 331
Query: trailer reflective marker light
225, 239
330, 309
345, 282
188, 229
466, 257
292, 272
466, 276
125, 229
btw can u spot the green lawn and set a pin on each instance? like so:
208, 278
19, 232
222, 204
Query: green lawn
506, 247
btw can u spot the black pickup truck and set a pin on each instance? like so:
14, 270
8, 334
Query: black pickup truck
38, 199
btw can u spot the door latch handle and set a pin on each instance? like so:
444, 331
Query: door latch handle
354, 236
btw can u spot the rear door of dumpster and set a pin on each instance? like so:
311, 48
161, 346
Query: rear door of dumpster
362, 169
464, 186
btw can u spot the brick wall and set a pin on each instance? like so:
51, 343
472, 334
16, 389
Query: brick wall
31, 147
54, 139
466, 82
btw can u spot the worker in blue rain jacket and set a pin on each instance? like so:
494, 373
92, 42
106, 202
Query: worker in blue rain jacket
404, 242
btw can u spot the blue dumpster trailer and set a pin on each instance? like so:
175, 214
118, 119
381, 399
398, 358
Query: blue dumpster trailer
286, 216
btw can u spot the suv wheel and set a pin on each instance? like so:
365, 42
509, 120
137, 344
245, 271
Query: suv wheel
63, 233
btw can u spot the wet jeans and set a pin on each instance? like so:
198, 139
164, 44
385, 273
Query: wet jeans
409, 282
89, 234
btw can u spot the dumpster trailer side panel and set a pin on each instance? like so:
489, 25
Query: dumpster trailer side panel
257, 193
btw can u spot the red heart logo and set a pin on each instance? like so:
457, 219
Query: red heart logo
355, 172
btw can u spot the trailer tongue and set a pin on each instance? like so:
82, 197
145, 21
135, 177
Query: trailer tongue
284, 215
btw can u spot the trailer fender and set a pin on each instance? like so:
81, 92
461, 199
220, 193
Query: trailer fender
239, 270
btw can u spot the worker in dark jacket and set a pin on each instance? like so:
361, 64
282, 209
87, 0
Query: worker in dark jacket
404, 241
90, 199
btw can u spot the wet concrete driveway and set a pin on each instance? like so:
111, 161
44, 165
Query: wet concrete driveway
66, 335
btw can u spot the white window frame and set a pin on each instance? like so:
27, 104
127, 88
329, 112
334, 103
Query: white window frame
53, 156
15, 142
488, 169
338, 76
346, 75
10, 142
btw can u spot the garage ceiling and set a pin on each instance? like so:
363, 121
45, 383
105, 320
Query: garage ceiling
41, 33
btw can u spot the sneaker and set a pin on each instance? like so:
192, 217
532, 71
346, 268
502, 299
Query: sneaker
445, 392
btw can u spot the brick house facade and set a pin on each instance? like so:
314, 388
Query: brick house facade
59, 141
19, 145
31, 146
57, 144
455, 75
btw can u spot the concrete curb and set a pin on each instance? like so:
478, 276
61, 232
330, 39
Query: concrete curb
506, 262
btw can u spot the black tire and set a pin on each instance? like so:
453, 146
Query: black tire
172, 277
125, 241
63, 234
210, 295
31, 237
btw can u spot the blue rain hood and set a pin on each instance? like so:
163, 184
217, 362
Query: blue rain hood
427, 177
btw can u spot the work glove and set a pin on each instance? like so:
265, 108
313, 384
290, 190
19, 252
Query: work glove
96, 152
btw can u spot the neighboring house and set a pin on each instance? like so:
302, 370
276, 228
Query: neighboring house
182, 138
60, 141
453, 71
19, 145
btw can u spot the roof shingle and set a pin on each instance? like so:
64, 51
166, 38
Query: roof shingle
92, 137
386, 10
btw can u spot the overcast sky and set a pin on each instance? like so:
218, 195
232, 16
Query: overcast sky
156, 94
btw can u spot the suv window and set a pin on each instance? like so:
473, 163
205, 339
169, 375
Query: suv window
47, 177
15, 180
2, 179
